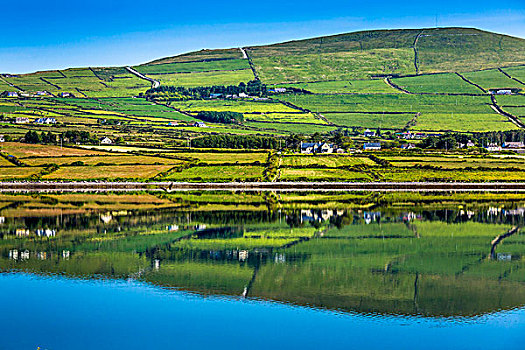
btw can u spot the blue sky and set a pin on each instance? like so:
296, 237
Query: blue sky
58, 34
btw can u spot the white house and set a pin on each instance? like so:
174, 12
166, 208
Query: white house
21, 120
513, 145
369, 133
493, 147
316, 147
45, 121
372, 146
105, 141
199, 125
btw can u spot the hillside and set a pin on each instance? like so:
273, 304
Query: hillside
435, 79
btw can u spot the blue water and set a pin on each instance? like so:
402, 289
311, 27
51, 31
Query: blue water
61, 313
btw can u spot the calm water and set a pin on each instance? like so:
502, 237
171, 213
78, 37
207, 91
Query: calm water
313, 278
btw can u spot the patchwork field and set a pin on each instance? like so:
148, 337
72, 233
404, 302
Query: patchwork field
322, 89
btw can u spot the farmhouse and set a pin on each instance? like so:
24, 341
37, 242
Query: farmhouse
316, 147
199, 125
65, 94
408, 146
493, 147
513, 145
21, 120
369, 133
372, 146
45, 121
9, 94
105, 141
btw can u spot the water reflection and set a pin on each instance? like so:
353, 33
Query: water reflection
429, 262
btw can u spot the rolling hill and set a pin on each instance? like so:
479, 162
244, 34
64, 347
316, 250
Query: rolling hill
434, 79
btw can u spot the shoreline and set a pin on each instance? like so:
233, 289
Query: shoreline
262, 186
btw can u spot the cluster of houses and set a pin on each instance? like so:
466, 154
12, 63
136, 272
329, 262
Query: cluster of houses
44, 120
506, 91
197, 124
319, 147
415, 136
518, 147
15, 254
17, 94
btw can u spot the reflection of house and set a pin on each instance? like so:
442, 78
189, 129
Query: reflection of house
13, 254
45, 233
243, 255
21, 120
504, 257
2, 219
41, 255
22, 232
371, 216
2, 139
66, 254
408, 146
280, 258
106, 218
172, 228
317, 215
24, 255
316, 147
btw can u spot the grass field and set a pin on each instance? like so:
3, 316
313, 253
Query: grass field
492, 79
206, 78
22, 150
328, 161
220, 174
333, 66
135, 172
191, 67
387, 121
436, 83
372, 86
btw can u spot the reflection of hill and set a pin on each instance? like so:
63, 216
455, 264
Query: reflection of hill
429, 268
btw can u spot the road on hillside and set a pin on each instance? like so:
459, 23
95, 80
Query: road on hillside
154, 83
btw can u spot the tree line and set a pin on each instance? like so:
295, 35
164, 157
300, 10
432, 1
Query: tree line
235, 142
70, 136
221, 117
252, 88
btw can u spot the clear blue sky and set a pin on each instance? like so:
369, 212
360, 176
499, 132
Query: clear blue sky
55, 34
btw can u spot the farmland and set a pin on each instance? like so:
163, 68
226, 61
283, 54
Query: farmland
323, 89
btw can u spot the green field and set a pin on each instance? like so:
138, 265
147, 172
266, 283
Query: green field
436, 83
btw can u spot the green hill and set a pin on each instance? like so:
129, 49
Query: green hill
435, 79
